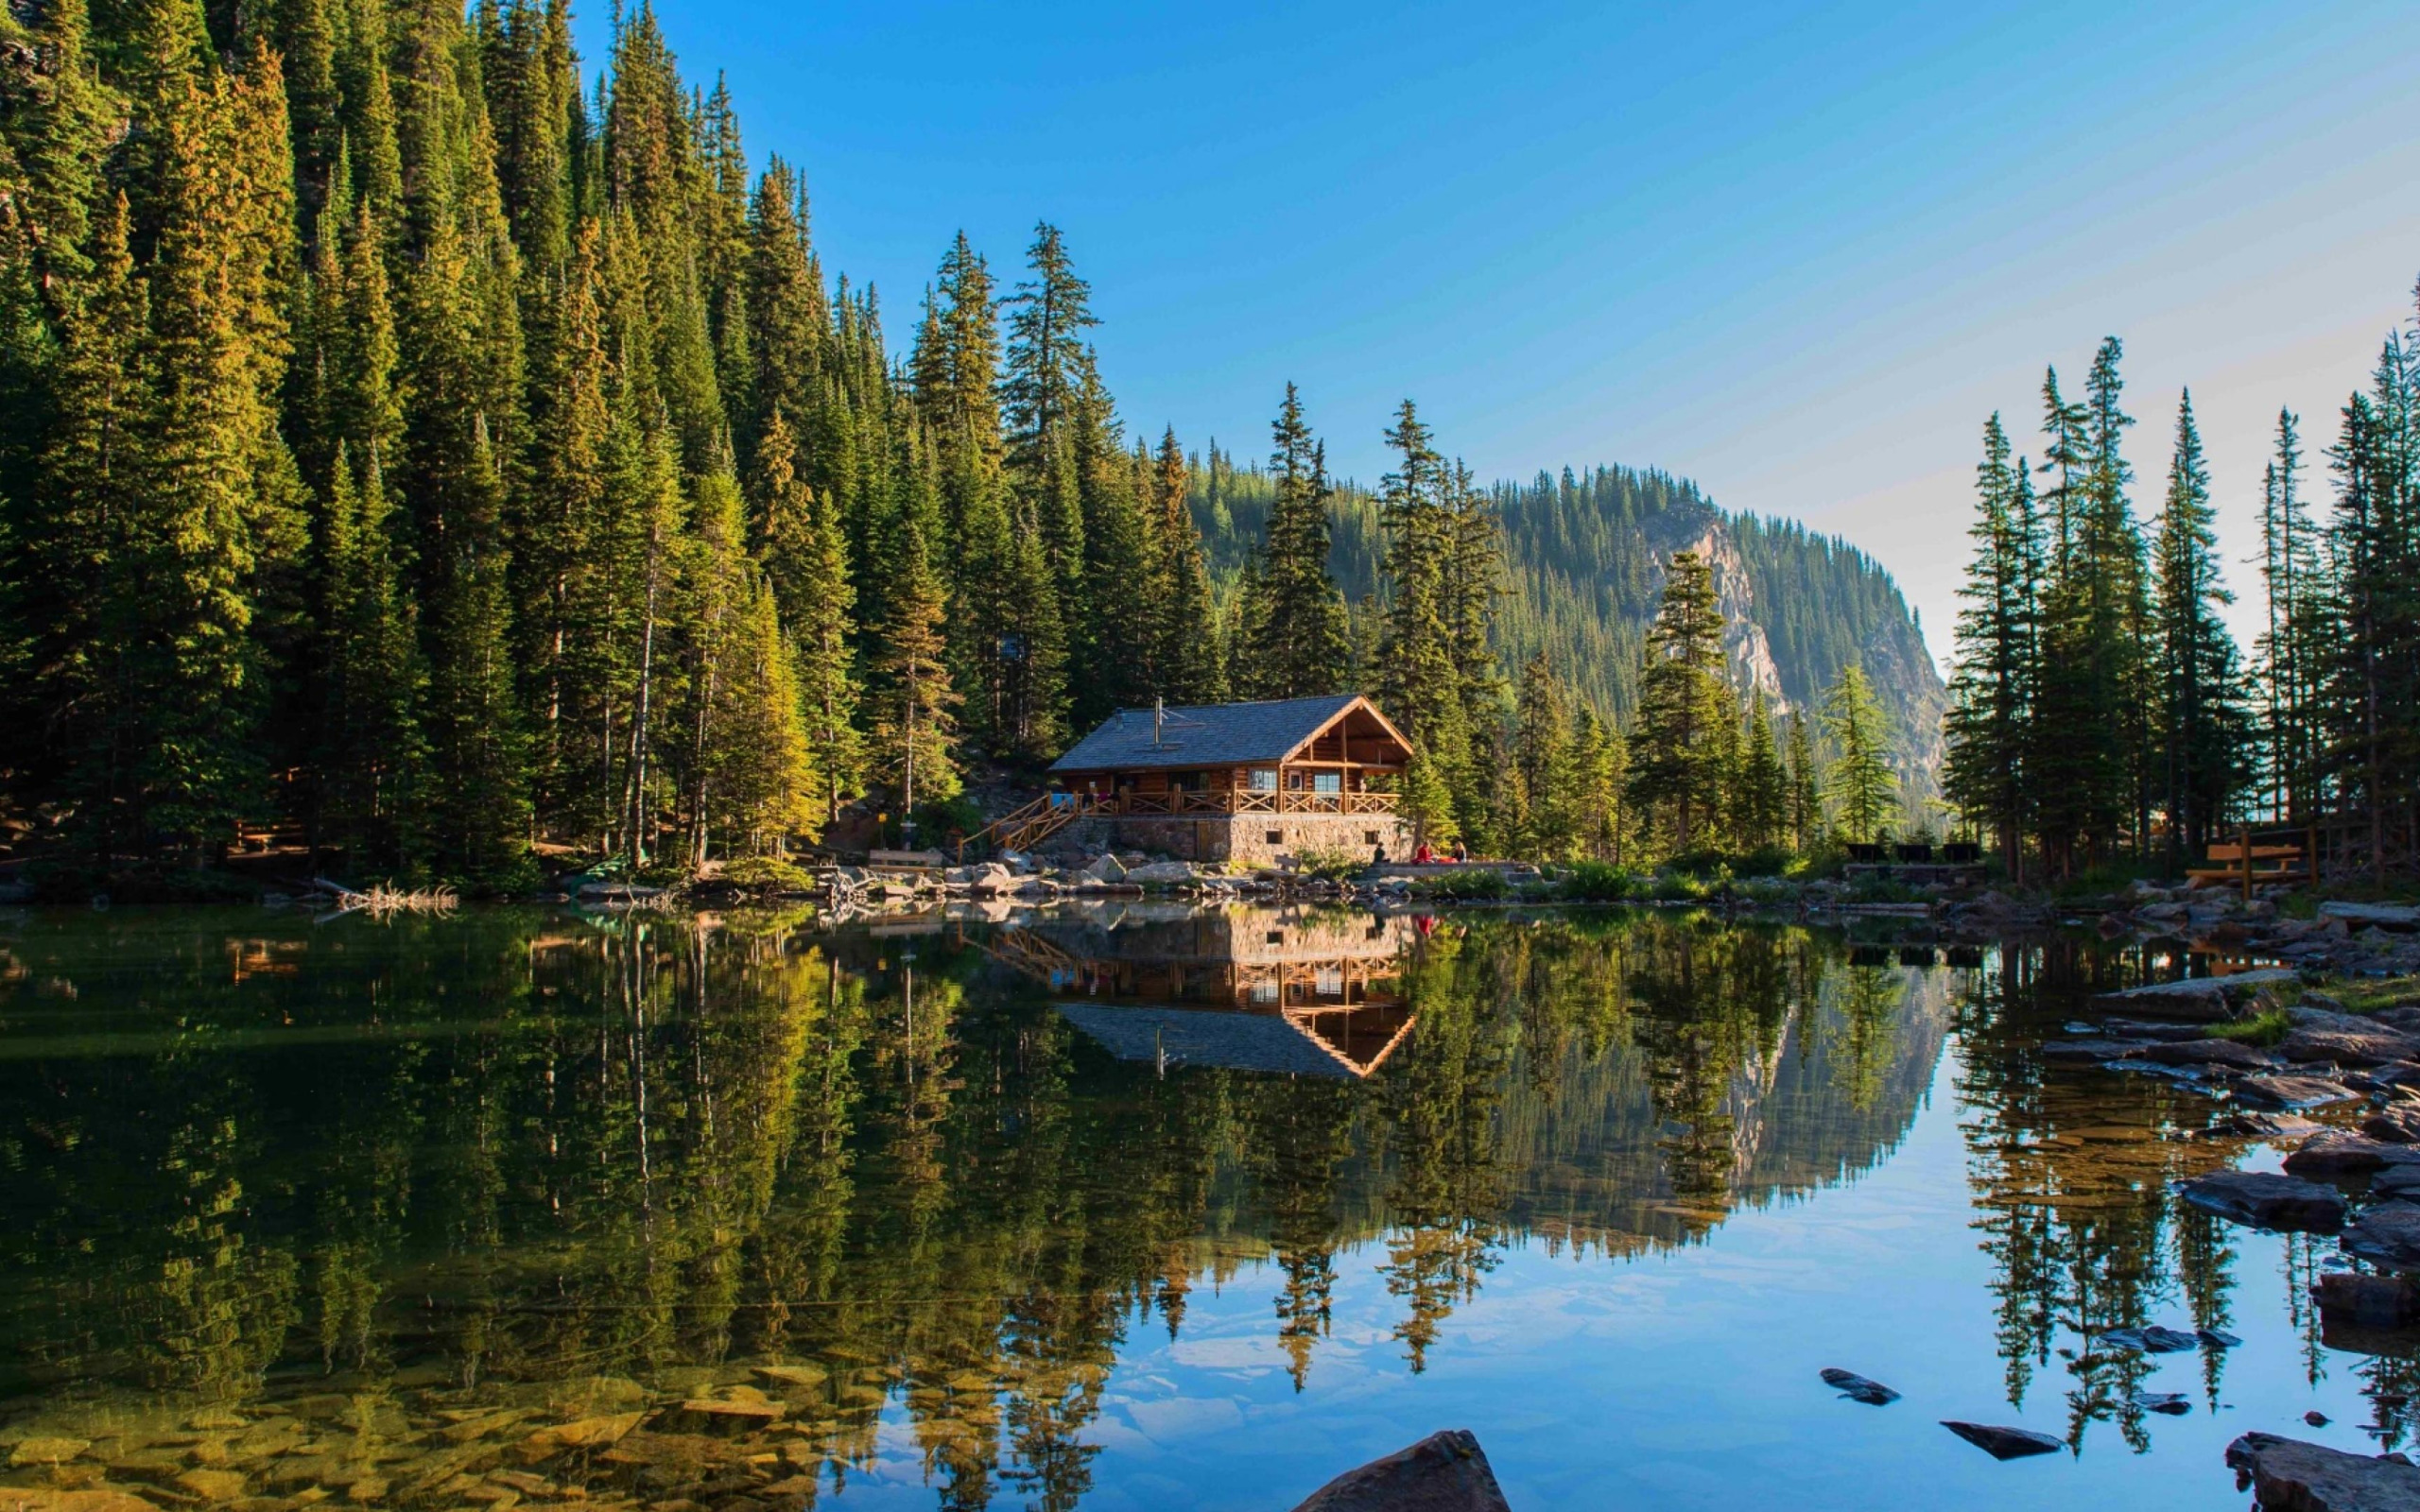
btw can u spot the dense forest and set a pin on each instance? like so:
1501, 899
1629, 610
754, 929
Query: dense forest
2103, 709
412, 452
1585, 552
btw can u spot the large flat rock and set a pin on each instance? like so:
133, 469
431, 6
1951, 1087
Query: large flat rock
1445, 1472
2387, 1235
2266, 1200
2290, 1475
2198, 997
2338, 1152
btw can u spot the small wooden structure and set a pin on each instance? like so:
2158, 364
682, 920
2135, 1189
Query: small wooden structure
2259, 858
1231, 781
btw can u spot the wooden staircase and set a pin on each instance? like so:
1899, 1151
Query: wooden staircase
1025, 828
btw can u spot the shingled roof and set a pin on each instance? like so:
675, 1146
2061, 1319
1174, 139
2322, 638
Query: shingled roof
1218, 734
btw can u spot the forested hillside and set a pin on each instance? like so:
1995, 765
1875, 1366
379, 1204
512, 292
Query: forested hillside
415, 457
1584, 557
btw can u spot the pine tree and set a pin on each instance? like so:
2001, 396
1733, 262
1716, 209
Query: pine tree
1543, 824
1763, 800
1292, 641
1862, 786
1420, 672
371, 758
478, 808
1187, 654
1600, 769
1039, 390
213, 503
2201, 718
2290, 645
805, 559
1990, 723
1807, 786
72, 565
1684, 708
910, 697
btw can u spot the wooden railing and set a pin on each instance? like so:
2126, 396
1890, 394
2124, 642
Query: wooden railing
1244, 800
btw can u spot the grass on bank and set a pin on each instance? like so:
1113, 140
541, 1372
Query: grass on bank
2263, 1029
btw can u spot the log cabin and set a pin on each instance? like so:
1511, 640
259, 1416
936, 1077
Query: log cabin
1252, 783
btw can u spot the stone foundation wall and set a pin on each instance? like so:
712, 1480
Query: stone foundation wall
1261, 839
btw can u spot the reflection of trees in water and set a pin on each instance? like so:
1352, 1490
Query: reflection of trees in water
528, 1147
2070, 1169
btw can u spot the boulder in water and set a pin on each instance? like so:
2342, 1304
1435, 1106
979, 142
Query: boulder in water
1445, 1472
2004, 1443
2290, 1475
1858, 1389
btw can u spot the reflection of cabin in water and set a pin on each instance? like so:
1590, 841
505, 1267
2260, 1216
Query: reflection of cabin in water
1250, 989
1231, 781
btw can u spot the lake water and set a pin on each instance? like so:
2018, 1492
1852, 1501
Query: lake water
1125, 1207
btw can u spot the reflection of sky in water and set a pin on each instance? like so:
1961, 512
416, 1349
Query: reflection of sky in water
1688, 1379
1678, 1200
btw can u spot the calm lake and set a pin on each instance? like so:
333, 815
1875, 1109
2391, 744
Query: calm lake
1115, 1206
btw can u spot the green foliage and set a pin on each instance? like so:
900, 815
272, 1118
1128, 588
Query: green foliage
1863, 788
766, 874
1472, 885
1599, 882
2264, 1029
1330, 865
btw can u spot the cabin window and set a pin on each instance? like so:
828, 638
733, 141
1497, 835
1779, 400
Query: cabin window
1327, 782
1264, 992
1276, 936
1185, 781
1264, 779
1273, 836
1328, 982
1368, 837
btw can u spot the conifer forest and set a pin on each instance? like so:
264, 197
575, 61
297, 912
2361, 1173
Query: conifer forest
414, 451
2101, 708
411, 450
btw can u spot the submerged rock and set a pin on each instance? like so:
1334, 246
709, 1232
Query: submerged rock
2387, 1234
2289, 1475
2251, 1126
2292, 1094
2217, 1339
2093, 1050
1858, 1389
1445, 1472
2172, 1403
2265, 1200
2004, 1443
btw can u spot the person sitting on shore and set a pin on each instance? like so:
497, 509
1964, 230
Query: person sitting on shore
1425, 856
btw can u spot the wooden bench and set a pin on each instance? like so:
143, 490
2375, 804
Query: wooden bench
2248, 863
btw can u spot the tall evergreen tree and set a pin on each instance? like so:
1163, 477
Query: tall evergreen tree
1863, 788
1990, 721
1677, 742
1291, 643
2201, 717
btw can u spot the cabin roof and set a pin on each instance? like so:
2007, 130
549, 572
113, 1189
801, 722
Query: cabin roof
1203, 1037
1218, 735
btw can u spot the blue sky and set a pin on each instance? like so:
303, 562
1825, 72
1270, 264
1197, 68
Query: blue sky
1795, 252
